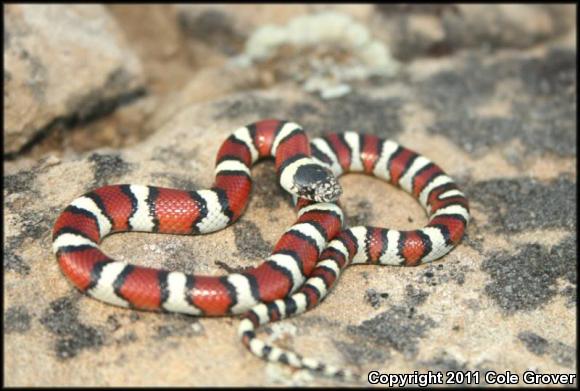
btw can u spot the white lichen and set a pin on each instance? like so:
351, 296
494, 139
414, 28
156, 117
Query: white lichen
344, 51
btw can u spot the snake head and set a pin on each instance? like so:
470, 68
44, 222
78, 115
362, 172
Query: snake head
316, 183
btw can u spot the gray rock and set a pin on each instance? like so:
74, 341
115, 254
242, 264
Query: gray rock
438, 30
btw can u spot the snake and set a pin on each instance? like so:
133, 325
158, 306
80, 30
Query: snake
445, 204
306, 261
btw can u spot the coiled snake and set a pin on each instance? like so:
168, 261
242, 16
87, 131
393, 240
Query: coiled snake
307, 260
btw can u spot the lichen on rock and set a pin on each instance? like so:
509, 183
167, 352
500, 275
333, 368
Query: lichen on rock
322, 51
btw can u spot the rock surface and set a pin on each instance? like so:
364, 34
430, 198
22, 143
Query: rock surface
501, 121
63, 64
436, 30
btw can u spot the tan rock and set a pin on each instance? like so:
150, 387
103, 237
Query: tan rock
433, 317
152, 32
62, 62
503, 124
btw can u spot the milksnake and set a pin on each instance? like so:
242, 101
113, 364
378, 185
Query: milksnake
307, 260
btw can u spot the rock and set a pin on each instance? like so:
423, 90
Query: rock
436, 30
507, 25
70, 331
221, 30
207, 84
226, 26
323, 52
215, 32
64, 63
152, 32
500, 122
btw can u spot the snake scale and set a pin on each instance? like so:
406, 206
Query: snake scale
306, 261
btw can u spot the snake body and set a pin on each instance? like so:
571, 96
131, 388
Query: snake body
89, 218
306, 261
